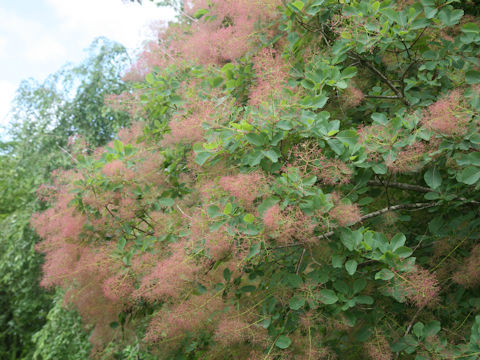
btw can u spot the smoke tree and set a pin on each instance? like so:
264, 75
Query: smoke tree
301, 183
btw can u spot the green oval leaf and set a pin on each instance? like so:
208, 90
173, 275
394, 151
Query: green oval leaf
255, 139
283, 342
351, 267
384, 274
249, 218
470, 175
432, 178
328, 297
297, 302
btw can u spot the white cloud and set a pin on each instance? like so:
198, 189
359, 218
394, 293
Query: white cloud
7, 93
46, 49
126, 23
30, 37
3, 44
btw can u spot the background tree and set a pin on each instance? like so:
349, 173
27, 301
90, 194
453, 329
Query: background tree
44, 116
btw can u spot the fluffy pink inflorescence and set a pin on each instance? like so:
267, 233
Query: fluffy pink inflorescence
218, 244
244, 187
290, 225
118, 287
153, 55
226, 35
446, 116
321, 353
231, 331
272, 75
469, 273
187, 128
352, 97
419, 287
169, 277
114, 168
58, 263
189, 316
408, 159
131, 134
378, 348
345, 214
272, 217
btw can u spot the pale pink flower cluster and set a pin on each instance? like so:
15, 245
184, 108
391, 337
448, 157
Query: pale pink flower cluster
149, 169
271, 75
154, 54
288, 226
345, 214
218, 244
113, 168
59, 224
231, 331
273, 218
469, 273
226, 35
187, 128
378, 348
127, 101
244, 187
408, 159
191, 315
129, 135
118, 287
318, 353
447, 116
419, 287
169, 277
352, 97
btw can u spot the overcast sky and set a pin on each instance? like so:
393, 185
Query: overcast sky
38, 36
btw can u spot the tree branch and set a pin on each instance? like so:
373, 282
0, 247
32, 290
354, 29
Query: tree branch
391, 97
419, 188
401, 186
414, 206
381, 76
299, 264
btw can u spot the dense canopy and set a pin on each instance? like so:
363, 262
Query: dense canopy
300, 182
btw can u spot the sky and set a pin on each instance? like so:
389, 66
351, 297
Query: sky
37, 37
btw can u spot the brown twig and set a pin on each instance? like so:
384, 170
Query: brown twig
299, 264
389, 97
372, 68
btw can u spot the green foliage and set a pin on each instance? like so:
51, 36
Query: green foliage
62, 336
